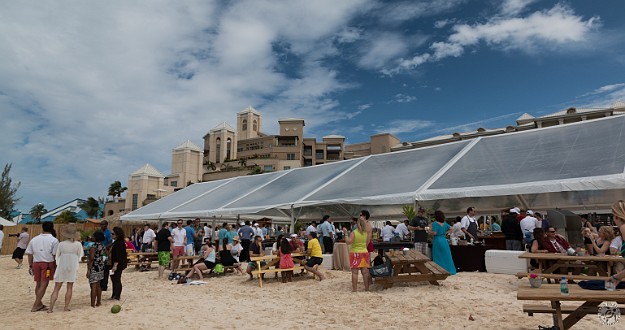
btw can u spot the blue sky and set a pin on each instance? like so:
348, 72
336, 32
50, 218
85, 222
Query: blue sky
89, 92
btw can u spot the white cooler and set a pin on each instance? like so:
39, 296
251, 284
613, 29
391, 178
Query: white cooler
327, 261
505, 262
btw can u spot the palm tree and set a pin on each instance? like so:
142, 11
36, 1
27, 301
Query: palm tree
65, 217
91, 207
243, 162
37, 211
116, 189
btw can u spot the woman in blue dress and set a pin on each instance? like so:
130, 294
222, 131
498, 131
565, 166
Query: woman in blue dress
441, 254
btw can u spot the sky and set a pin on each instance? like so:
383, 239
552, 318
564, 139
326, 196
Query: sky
90, 91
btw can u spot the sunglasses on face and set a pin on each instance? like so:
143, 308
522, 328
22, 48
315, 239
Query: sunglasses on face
551, 231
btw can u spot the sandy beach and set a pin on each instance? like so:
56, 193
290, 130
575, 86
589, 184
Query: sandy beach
234, 302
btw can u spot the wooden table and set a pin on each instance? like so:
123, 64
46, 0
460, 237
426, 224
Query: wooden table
340, 257
412, 267
272, 263
142, 259
548, 263
551, 292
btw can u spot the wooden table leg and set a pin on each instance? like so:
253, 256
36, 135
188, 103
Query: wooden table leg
557, 316
424, 270
579, 314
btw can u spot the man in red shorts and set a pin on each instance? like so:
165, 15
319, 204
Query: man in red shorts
41, 251
179, 235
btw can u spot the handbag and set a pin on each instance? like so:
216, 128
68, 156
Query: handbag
370, 246
383, 270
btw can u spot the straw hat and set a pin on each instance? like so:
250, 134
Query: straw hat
69, 231
235, 238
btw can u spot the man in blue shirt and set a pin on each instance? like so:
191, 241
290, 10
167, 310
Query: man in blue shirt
108, 240
223, 234
190, 236
327, 233
245, 233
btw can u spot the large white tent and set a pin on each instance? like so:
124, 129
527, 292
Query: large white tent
6, 222
578, 166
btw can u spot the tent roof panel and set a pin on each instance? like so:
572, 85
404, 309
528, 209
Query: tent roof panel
394, 175
294, 185
594, 148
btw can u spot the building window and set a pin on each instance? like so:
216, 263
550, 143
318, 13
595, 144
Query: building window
287, 168
174, 183
135, 201
228, 149
218, 151
244, 125
268, 168
255, 127
290, 156
319, 154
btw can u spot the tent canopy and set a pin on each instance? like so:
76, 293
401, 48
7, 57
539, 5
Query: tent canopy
575, 166
6, 222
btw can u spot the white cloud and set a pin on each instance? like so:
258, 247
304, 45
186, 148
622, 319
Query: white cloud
602, 97
514, 7
381, 49
91, 92
558, 27
399, 12
349, 34
364, 106
403, 126
403, 98
443, 23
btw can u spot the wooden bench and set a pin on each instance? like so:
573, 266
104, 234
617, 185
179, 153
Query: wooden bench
545, 309
567, 276
412, 267
272, 260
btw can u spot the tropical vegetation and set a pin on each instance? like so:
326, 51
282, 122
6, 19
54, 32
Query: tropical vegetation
37, 211
8, 193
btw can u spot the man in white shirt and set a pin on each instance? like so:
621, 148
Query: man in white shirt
179, 235
208, 232
388, 232
457, 229
41, 251
258, 231
311, 228
148, 238
402, 230
468, 224
527, 226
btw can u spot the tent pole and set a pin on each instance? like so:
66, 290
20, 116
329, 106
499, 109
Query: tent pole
292, 227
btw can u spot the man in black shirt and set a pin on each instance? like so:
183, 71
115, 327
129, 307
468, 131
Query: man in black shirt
420, 236
511, 227
164, 248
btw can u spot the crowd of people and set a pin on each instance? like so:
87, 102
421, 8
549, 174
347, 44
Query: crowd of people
233, 246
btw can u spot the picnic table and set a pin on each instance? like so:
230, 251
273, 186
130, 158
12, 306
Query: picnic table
591, 299
549, 263
412, 267
142, 259
272, 263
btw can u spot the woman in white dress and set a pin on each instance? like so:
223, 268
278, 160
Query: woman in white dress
68, 255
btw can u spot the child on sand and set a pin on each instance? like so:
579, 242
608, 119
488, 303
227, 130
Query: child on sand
286, 261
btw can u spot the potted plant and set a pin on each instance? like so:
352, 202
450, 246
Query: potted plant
535, 280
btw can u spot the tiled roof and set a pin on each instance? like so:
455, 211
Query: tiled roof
249, 109
223, 126
188, 145
149, 170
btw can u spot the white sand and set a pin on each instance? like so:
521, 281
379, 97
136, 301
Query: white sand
233, 302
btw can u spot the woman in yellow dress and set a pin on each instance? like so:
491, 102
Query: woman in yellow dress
358, 254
